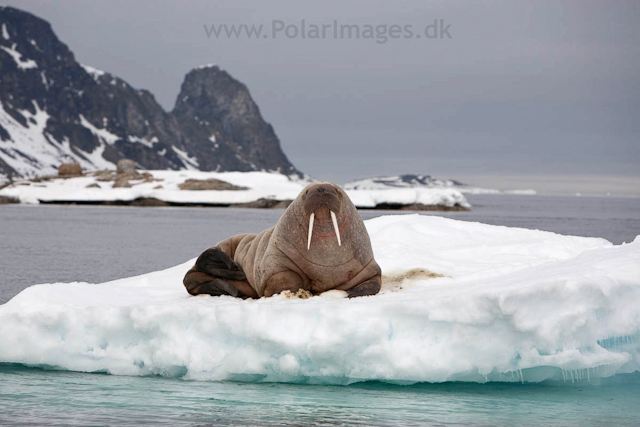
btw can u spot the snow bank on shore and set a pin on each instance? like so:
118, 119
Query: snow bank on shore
261, 185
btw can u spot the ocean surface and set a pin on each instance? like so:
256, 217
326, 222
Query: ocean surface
46, 244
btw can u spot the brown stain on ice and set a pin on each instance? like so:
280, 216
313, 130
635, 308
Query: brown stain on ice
396, 282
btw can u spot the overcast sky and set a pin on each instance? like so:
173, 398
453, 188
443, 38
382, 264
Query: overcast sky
520, 88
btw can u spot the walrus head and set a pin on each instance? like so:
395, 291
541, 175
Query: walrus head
330, 230
322, 202
322, 238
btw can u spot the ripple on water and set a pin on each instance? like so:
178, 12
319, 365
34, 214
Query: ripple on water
41, 397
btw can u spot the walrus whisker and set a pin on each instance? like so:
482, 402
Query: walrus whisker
313, 214
335, 226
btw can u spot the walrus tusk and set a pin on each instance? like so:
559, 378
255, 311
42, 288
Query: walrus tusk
335, 226
313, 214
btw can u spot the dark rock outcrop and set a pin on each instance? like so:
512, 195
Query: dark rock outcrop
209, 184
5, 200
265, 204
126, 166
69, 169
216, 113
122, 182
54, 110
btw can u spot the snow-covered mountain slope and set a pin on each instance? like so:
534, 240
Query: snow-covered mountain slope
165, 186
422, 181
512, 305
54, 110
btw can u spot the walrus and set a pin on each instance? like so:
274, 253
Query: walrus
320, 243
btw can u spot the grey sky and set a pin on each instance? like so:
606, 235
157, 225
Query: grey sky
542, 88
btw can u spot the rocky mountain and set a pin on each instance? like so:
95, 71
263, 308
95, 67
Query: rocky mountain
54, 110
214, 109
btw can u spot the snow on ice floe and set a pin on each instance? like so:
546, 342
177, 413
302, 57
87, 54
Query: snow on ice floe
513, 305
261, 185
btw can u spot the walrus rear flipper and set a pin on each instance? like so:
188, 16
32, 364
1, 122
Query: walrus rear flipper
215, 273
198, 283
370, 287
217, 287
217, 263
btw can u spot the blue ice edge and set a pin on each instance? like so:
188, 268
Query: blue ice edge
543, 375
550, 375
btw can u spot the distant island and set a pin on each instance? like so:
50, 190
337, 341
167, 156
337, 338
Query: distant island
129, 186
423, 181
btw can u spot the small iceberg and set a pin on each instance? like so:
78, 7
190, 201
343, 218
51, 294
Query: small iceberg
502, 304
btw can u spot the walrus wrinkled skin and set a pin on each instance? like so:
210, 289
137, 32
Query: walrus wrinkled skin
336, 254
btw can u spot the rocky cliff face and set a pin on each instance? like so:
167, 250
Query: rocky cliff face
53, 110
216, 113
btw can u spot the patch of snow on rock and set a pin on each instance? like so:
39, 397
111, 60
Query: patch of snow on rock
93, 72
17, 57
200, 67
146, 142
191, 163
102, 134
28, 151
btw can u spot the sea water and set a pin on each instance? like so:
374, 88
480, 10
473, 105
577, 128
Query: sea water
37, 397
95, 244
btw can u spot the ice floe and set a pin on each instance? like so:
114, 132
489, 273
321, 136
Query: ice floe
511, 305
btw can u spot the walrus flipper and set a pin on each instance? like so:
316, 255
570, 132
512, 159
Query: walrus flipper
218, 287
370, 287
198, 283
216, 262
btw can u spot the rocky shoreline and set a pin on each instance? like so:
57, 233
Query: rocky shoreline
258, 204
127, 186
